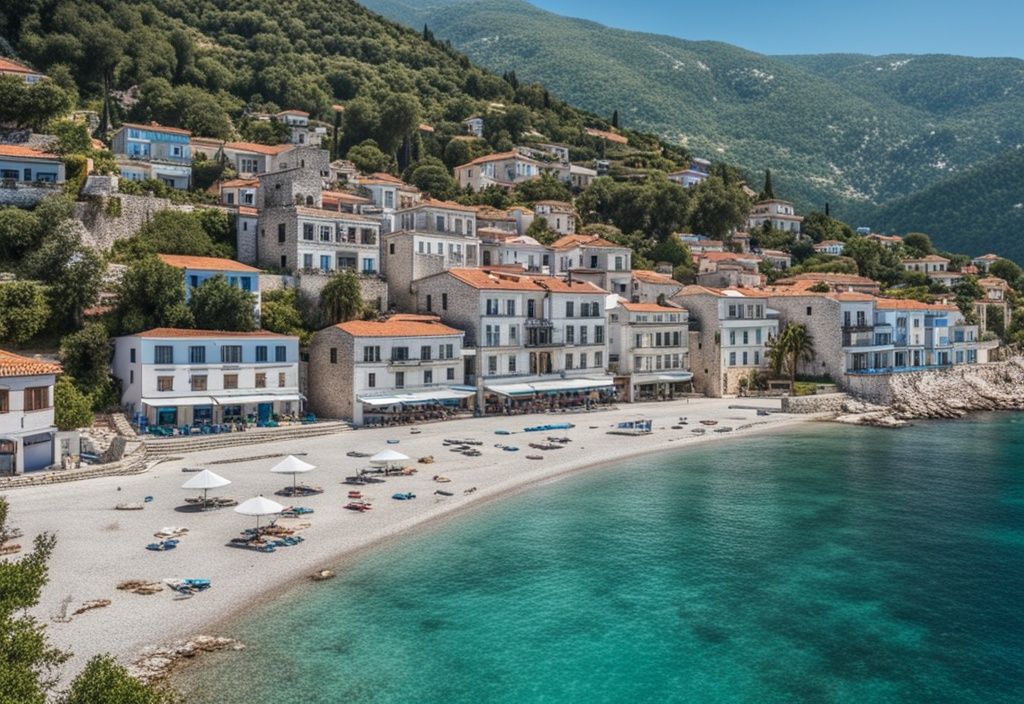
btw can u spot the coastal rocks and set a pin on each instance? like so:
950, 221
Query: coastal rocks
157, 664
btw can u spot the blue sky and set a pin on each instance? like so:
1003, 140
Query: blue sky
973, 28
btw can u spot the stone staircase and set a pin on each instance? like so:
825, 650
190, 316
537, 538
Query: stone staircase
194, 443
136, 463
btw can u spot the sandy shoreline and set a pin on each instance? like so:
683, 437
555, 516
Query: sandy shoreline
98, 547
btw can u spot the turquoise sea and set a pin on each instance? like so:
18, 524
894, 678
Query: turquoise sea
825, 564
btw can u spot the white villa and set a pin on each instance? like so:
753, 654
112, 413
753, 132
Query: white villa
27, 433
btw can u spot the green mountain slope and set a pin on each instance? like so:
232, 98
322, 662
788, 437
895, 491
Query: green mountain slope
850, 129
977, 211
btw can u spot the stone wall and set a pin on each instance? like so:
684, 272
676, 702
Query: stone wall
820, 403
104, 223
333, 394
26, 196
373, 288
873, 388
823, 319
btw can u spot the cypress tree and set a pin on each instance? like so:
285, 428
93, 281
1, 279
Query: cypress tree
615, 119
768, 193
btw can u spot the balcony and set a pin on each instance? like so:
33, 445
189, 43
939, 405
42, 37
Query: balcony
539, 323
859, 327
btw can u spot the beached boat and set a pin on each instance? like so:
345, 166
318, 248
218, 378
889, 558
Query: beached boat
163, 545
633, 427
709, 422
548, 426
357, 506
442, 492
406, 496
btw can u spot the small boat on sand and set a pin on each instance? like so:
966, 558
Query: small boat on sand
357, 506
406, 496
709, 422
442, 492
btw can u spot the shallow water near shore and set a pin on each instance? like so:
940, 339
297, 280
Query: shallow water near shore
827, 564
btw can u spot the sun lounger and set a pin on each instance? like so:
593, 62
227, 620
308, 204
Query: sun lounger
130, 506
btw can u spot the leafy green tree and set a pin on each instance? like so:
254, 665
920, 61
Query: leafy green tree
819, 227
217, 305
74, 276
269, 132
30, 665
188, 107
1006, 270
341, 298
430, 175
674, 251
172, 232
85, 355
23, 311
874, 261
918, 244
462, 151
546, 187
20, 231
399, 116
540, 231
368, 157
279, 312
104, 681
151, 295
718, 209
33, 105
71, 408
995, 321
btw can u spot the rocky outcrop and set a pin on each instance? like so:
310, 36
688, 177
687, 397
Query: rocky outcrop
943, 393
157, 664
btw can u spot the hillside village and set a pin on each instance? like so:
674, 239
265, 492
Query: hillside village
202, 284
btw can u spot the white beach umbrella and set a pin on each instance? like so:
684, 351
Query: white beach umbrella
206, 480
259, 506
294, 466
388, 458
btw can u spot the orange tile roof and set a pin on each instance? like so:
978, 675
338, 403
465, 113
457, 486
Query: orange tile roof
653, 277
300, 113
828, 243
694, 289
929, 258
312, 212
157, 127
993, 281
500, 156
909, 304
989, 257
424, 127
240, 182
8, 66
383, 176
185, 261
829, 277
188, 332
396, 328
447, 204
15, 365
259, 148
603, 134
493, 279
342, 197
583, 240
651, 308
247, 210
726, 256
19, 152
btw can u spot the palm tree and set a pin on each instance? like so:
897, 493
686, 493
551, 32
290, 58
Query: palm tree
792, 345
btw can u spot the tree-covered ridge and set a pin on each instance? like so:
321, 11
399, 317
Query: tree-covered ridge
850, 130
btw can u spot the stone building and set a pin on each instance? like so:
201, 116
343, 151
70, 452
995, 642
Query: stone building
411, 255
369, 371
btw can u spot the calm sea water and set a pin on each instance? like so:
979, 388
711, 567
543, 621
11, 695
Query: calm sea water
823, 565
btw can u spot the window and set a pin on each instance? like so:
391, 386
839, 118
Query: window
492, 364
37, 398
371, 353
757, 357
165, 383
399, 354
281, 379
231, 354
599, 334
261, 380
511, 364
230, 381
284, 261
492, 306
371, 380
399, 380
131, 355
307, 261
261, 353
280, 353
334, 355
732, 359
732, 337
280, 233
808, 310
568, 360
428, 376
444, 301
757, 336
746, 337
425, 352
598, 359
568, 309
391, 248
450, 373
744, 359
570, 335
583, 360
439, 223
307, 231
199, 382
510, 307
197, 355
325, 233
430, 302
163, 354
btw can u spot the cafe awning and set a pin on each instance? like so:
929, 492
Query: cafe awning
551, 387
254, 398
676, 376
414, 397
178, 401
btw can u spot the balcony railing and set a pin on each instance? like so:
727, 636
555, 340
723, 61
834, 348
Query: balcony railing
859, 327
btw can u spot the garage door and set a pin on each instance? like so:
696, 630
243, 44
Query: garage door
38, 452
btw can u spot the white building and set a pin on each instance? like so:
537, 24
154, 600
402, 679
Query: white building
560, 216
197, 270
831, 247
505, 170
649, 347
300, 132
178, 377
927, 265
698, 170
374, 371
535, 339
779, 213
27, 433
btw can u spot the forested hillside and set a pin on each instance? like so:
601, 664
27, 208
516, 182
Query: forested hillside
852, 130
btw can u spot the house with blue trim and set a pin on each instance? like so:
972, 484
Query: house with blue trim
154, 152
196, 270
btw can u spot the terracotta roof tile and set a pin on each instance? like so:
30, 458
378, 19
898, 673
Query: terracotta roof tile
8, 66
603, 134
500, 156
396, 327
496, 280
651, 308
19, 152
583, 240
909, 304
184, 261
653, 277
299, 113
15, 365
259, 148
188, 332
